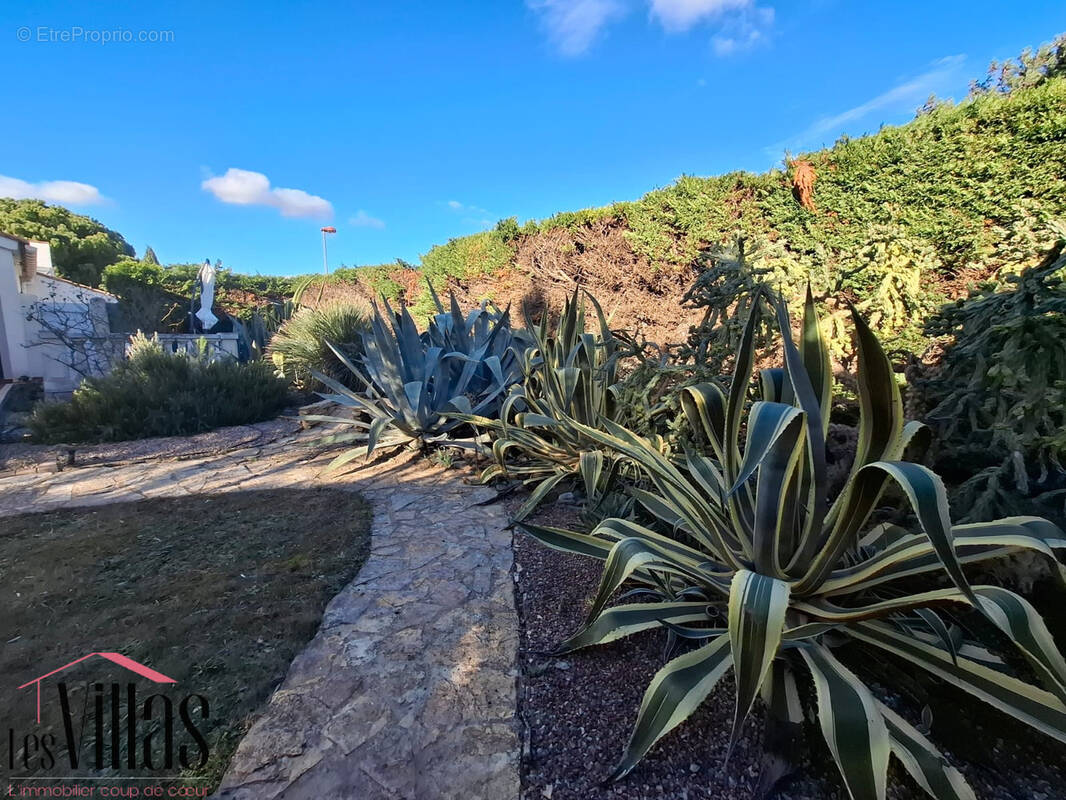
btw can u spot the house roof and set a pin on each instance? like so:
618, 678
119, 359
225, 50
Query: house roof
79, 285
26, 260
12, 236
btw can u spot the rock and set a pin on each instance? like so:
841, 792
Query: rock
413, 662
325, 408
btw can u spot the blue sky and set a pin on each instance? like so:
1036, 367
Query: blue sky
251, 125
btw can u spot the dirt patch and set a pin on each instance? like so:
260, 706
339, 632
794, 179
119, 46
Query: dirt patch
218, 592
803, 176
578, 710
410, 281
640, 298
338, 292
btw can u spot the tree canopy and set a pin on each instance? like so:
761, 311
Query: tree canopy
81, 246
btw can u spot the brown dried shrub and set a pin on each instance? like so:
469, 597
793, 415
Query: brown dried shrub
640, 298
803, 176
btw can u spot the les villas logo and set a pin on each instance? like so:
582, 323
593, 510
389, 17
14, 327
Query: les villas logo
127, 731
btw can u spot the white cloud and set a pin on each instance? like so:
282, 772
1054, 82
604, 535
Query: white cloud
942, 76
474, 216
364, 220
743, 31
65, 192
724, 45
573, 25
243, 187
466, 208
680, 15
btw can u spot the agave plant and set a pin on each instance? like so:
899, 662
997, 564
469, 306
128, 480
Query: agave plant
568, 375
770, 579
462, 363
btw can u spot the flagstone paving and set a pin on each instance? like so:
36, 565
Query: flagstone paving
408, 689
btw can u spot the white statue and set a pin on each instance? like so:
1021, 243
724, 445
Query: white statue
207, 297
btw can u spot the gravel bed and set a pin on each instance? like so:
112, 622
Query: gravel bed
577, 713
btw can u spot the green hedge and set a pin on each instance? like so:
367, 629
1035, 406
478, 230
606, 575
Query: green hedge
154, 393
961, 188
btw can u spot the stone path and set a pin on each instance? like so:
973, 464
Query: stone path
408, 689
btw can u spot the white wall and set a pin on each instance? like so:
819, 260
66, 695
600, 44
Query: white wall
27, 348
79, 312
44, 258
14, 360
217, 345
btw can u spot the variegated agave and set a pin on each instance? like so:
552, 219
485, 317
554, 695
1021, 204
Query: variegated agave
462, 363
568, 375
753, 533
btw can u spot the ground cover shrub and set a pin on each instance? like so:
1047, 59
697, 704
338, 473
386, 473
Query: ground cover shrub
118, 276
414, 381
997, 397
380, 279
956, 178
305, 342
181, 278
259, 325
568, 374
258, 302
575, 220
1028, 70
466, 256
509, 229
753, 565
673, 225
145, 303
155, 393
461, 259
